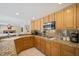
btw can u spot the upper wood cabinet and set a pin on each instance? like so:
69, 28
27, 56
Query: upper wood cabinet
59, 20
35, 27
51, 17
38, 24
77, 15
69, 17
45, 18
32, 25
41, 23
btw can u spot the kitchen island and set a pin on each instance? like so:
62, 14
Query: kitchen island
7, 46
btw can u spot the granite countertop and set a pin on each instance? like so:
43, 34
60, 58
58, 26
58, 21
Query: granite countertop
7, 46
61, 41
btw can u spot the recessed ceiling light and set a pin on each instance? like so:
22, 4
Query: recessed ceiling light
17, 13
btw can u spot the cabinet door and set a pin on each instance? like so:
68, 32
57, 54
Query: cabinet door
45, 19
67, 50
33, 25
69, 17
18, 45
47, 50
43, 45
77, 15
27, 42
59, 20
23, 43
51, 17
37, 42
41, 23
77, 51
36, 24
55, 49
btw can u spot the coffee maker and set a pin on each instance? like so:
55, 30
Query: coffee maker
74, 37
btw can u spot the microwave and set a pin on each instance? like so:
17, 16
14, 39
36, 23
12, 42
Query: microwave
49, 26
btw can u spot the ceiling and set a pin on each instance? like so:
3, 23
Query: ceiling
26, 11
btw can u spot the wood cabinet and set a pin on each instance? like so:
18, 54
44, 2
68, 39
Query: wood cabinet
67, 50
37, 42
77, 51
69, 17
41, 23
59, 20
32, 25
23, 43
55, 49
27, 42
43, 45
77, 16
38, 26
45, 19
48, 48
66, 18
51, 17
18, 45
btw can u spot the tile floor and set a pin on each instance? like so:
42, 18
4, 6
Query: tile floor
31, 52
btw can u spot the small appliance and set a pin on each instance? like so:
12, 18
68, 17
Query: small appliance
74, 37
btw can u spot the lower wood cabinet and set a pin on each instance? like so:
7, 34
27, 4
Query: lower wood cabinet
48, 48
37, 42
27, 42
55, 49
18, 45
43, 45
77, 51
23, 43
67, 50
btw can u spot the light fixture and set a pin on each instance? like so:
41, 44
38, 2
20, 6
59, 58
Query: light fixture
17, 13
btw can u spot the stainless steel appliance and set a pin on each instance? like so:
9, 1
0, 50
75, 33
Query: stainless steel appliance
74, 37
49, 26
